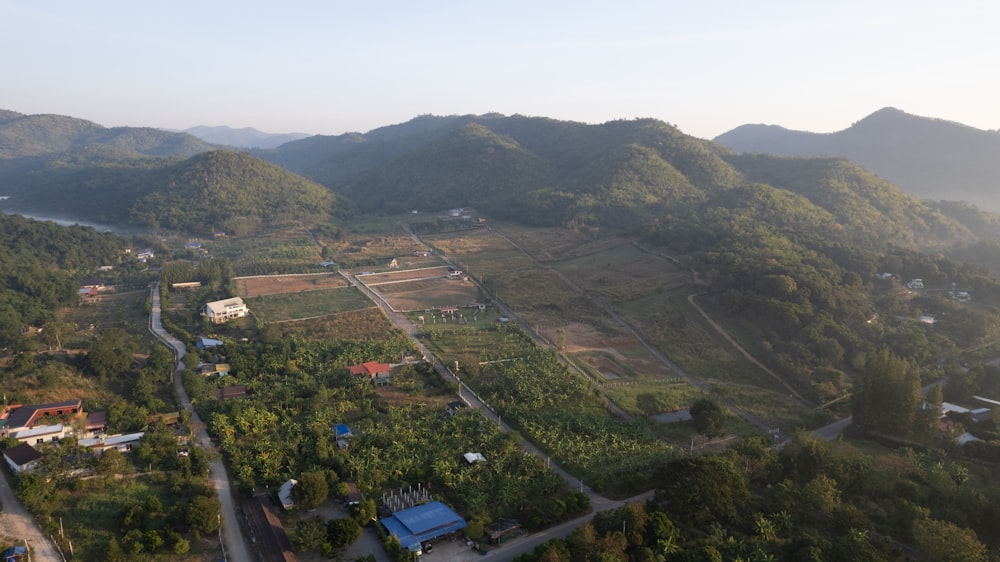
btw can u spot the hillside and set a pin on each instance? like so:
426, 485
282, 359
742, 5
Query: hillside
40, 135
929, 158
229, 191
617, 175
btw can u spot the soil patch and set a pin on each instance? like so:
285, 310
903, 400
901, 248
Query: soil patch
277, 284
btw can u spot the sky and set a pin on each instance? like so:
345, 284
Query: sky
329, 67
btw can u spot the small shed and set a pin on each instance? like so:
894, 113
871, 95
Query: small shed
285, 494
473, 458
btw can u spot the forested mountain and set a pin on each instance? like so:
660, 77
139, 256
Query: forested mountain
620, 174
39, 135
230, 191
246, 137
929, 158
41, 263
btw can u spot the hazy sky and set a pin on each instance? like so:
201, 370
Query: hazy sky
332, 66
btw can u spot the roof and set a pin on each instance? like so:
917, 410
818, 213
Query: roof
203, 343
39, 430
219, 307
371, 368
422, 523
228, 392
111, 440
22, 454
474, 457
96, 420
25, 415
353, 495
341, 430
285, 493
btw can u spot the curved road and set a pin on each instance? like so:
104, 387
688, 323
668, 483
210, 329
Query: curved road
233, 543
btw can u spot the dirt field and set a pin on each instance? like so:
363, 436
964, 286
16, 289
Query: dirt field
277, 284
425, 294
613, 355
403, 275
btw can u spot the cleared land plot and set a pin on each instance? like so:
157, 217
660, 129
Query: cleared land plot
307, 304
270, 285
647, 289
377, 279
421, 289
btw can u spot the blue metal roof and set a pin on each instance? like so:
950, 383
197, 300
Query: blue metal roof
421, 523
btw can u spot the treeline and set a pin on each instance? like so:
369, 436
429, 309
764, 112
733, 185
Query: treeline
813, 500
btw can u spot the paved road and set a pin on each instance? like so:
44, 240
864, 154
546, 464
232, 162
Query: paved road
17, 523
234, 544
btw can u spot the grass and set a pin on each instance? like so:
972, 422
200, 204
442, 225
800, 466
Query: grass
307, 304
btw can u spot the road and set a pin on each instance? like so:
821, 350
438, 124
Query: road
17, 523
234, 544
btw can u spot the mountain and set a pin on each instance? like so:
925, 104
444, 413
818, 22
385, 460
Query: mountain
247, 137
618, 175
24, 136
230, 191
929, 158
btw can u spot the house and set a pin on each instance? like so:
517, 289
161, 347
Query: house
449, 310
371, 369
22, 458
193, 246
87, 294
928, 319
205, 343
96, 425
220, 312
422, 523
353, 496
231, 392
342, 433
39, 434
123, 443
285, 494
92, 284
145, 255
210, 369
185, 285
17, 417
267, 532
915, 284
473, 458
422, 253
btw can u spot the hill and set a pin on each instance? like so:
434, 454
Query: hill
230, 191
39, 135
246, 137
619, 175
929, 158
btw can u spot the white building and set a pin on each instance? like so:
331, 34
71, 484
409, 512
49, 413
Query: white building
220, 312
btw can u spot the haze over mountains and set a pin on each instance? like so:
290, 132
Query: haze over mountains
929, 158
629, 176
246, 137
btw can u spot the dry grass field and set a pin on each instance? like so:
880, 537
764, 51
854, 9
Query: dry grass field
277, 284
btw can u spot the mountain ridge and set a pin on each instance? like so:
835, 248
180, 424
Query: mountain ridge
928, 157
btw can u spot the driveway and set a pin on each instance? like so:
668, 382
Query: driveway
16, 524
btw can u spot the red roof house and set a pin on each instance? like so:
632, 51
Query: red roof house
372, 369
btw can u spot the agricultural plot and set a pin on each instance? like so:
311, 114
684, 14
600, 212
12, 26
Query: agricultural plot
422, 289
307, 304
274, 284
558, 282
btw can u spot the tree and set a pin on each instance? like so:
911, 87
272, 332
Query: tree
702, 490
342, 532
887, 396
311, 491
947, 542
708, 417
309, 534
204, 514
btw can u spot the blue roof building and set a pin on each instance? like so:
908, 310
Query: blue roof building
205, 343
425, 522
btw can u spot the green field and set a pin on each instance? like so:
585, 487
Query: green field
307, 304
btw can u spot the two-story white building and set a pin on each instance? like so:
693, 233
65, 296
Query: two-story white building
220, 312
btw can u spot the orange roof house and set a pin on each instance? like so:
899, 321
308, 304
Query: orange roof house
372, 369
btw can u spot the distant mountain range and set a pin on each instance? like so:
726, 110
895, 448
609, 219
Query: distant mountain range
247, 137
929, 158
628, 176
